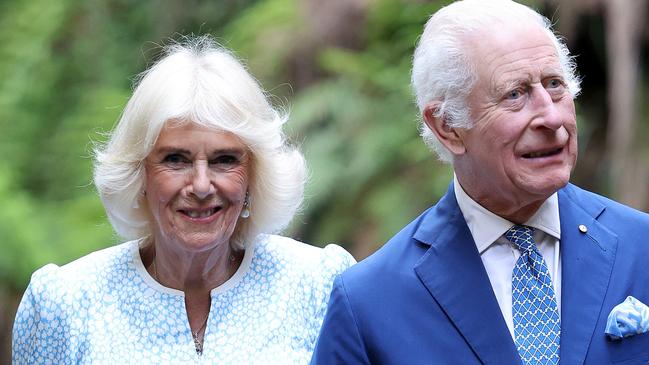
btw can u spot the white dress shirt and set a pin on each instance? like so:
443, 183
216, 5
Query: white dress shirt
499, 255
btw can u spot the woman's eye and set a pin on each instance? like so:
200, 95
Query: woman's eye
225, 160
174, 159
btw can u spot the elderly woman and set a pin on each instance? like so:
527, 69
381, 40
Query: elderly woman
197, 174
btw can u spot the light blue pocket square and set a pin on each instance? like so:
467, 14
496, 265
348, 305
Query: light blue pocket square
628, 318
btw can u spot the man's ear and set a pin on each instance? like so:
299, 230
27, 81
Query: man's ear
447, 135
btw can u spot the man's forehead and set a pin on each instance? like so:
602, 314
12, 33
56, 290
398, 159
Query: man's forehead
505, 32
519, 53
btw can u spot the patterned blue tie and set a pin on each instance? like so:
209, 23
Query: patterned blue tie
537, 326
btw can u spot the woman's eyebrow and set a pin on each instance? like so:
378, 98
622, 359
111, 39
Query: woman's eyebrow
172, 149
229, 151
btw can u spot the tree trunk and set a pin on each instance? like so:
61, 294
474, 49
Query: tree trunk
9, 301
629, 171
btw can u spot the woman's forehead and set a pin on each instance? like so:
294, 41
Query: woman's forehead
188, 135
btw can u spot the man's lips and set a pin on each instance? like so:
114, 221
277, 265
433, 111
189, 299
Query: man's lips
198, 213
543, 153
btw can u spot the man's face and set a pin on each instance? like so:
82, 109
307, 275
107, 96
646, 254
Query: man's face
523, 145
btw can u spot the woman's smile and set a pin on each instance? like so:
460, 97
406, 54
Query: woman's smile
200, 215
196, 184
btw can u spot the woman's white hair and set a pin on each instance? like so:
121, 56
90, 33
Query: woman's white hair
200, 82
443, 69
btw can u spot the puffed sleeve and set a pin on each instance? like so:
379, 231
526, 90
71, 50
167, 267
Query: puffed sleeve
334, 261
39, 332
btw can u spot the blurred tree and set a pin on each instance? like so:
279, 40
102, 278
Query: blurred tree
611, 40
66, 69
629, 171
352, 121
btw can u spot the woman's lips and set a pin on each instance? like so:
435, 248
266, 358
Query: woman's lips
199, 215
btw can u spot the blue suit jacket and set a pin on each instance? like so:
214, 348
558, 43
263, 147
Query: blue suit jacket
425, 298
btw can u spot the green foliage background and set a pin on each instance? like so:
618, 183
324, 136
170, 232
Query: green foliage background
66, 69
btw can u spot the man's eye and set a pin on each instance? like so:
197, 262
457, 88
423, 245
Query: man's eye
514, 94
554, 83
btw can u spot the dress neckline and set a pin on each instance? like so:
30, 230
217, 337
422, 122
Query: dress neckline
227, 285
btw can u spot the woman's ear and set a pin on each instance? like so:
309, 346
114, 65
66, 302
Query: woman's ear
447, 135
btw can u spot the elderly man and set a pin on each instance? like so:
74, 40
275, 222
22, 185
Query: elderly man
513, 265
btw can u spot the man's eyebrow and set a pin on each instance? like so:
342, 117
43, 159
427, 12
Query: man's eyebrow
553, 71
510, 84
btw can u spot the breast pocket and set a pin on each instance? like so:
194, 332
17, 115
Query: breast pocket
632, 350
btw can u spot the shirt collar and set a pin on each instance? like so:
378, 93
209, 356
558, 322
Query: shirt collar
486, 227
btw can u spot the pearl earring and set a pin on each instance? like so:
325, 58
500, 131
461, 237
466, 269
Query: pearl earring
245, 212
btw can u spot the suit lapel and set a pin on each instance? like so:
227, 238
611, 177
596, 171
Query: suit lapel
453, 273
586, 264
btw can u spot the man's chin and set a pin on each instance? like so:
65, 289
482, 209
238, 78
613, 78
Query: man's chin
546, 186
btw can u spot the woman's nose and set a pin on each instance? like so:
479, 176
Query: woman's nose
201, 184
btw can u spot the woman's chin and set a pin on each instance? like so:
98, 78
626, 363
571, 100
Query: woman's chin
197, 242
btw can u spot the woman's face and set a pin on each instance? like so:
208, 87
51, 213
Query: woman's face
196, 183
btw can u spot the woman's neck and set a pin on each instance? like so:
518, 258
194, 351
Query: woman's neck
187, 271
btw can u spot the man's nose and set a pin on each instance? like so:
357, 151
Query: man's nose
549, 114
201, 184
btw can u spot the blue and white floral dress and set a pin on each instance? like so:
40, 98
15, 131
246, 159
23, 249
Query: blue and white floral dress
106, 309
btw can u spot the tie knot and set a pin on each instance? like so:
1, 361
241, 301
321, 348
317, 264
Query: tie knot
521, 236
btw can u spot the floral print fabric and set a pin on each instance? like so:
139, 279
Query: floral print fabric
106, 309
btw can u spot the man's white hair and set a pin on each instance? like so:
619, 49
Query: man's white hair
203, 83
444, 71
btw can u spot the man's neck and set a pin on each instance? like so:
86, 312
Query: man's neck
517, 212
